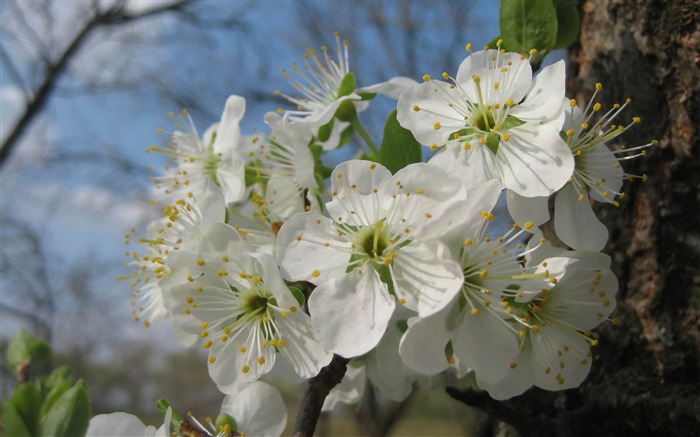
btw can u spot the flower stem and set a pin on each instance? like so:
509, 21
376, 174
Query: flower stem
355, 122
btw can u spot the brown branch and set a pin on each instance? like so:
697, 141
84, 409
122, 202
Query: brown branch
319, 386
56, 68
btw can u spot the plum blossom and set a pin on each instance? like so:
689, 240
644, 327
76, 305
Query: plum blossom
378, 246
495, 122
214, 157
246, 315
597, 175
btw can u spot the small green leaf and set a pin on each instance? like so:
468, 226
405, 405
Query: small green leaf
12, 422
529, 24
39, 351
298, 295
346, 111
324, 132
347, 85
18, 350
399, 147
511, 122
163, 404
70, 415
54, 393
27, 403
367, 96
224, 419
568, 23
385, 276
492, 142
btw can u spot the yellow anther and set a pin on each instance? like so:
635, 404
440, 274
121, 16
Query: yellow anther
437, 125
513, 365
212, 359
596, 107
468, 242
208, 344
598, 86
245, 368
261, 360
474, 311
528, 225
468, 47
315, 273
570, 133
532, 51
483, 273
416, 108
426, 77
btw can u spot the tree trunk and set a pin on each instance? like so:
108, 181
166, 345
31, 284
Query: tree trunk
647, 374
645, 378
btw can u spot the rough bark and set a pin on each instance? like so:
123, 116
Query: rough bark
646, 374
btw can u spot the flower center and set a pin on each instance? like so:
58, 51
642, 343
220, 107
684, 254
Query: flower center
484, 120
374, 240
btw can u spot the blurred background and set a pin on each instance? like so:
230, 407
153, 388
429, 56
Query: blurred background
85, 85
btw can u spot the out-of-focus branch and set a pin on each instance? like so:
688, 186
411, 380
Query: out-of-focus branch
319, 386
111, 17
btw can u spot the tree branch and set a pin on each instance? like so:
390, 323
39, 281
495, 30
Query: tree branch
319, 386
55, 69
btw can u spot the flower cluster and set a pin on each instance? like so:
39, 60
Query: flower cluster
262, 251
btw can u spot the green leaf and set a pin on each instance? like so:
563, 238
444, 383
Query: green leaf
70, 415
399, 147
529, 24
27, 403
54, 393
224, 419
568, 23
12, 422
298, 295
492, 142
347, 85
324, 132
18, 350
367, 96
40, 352
346, 111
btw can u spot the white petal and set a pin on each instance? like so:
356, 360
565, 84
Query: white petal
485, 343
426, 277
527, 209
259, 410
564, 352
302, 349
422, 346
350, 315
515, 381
514, 86
535, 162
302, 253
283, 198
229, 132
544, 100
118, 424
575, 222
583, 299
386, 371
433, 99
393, 88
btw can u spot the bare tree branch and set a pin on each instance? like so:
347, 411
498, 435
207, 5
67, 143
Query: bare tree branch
56, 68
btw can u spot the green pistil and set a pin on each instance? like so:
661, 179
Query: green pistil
484, 120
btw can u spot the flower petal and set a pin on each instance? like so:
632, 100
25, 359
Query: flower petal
351, 314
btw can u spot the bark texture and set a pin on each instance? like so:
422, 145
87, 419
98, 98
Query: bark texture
645, 378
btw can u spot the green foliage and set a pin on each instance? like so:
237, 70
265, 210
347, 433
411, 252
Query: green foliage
568, 22
399, 147
298, 295
529, 24
347, 86
26, 349
69, 415
50, 405
537, 24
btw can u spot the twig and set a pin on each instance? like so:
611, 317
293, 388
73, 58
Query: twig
319, 386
